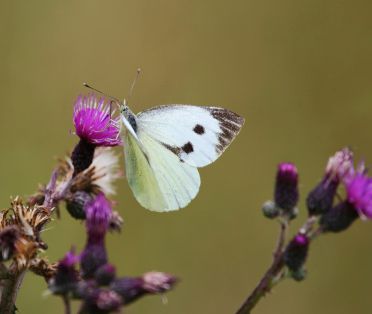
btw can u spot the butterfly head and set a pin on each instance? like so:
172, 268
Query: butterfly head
124, 109
128, 114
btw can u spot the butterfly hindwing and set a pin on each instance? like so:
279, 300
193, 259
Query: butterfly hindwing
157, 177
197, 135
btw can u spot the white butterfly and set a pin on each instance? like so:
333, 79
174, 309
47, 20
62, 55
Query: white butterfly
165, 145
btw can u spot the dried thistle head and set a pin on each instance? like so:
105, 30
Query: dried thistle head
20, 227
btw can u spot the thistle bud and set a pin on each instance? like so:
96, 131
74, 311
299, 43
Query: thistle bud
75, 205
286, 188
296, 252
339, 166
105, 274
339, 218
98, 215
270, 210
66, 276
150, 283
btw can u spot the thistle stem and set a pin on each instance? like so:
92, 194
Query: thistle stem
67, 304
268, 279
10, 291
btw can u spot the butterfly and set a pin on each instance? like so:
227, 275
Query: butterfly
165, 145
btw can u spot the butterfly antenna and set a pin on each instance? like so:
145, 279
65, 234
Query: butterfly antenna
104, 94
98, 91
133, 84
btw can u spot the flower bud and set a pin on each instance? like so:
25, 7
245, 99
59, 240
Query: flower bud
105, 274
339, 167
150, 283
98, 215
296, 252
75, 205
270, 210
339, 218
299, 274
286, 188
320, 199
66, 276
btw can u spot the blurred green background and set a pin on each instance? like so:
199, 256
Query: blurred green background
299, 71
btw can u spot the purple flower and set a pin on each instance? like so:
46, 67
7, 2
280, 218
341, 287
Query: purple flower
93, 122
95, 127
296, 252
286, 187
359, 194
339, 167
132, 288
98, 215
66, 275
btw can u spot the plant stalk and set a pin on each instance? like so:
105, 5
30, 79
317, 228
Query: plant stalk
268, 279
10, 291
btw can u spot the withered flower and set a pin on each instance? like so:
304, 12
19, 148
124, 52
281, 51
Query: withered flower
20, 227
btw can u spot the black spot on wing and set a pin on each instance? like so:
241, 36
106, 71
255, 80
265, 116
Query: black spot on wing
199, 129
174, 149
188, 148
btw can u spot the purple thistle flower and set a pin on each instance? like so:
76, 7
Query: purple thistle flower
66, 275
286, 187
93, 122
359, 194
95, 127
296, 252
132, 288
98, 215
339, 167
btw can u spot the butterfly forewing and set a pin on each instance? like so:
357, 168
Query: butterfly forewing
197, 135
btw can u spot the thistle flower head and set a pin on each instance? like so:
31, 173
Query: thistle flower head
93, 122
66, 276
340, 165
296, 252
132, 288
286, 187
339, 168
98, 216
157, 282
20, 227
359, 193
